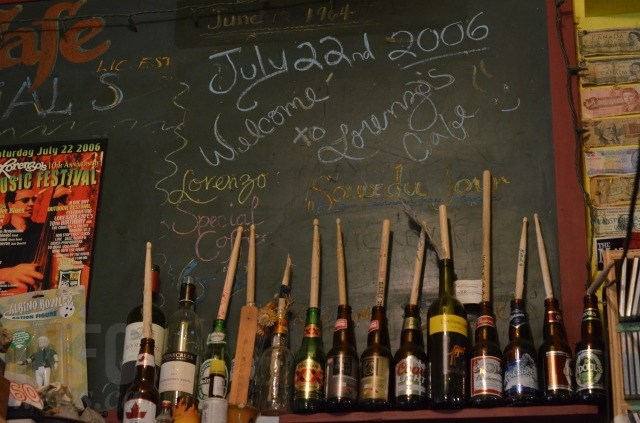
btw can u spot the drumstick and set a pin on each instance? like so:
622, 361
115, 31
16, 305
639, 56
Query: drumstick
231, 272
522, 257
383, 262
282, 299
251, 267
147, 320
315, 266
417, 269
486, 235
444, 232
544, 264
342, 285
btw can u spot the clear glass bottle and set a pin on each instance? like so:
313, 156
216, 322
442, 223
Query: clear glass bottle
521, 386
555, 360
180, 362
165, 413
590, 360
410, 363
274, 380
485, 375
376, 380
142, 398
308, 386
447, 343
133, 334
214, 370
341, 370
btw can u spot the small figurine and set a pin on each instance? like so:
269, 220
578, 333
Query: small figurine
42, 361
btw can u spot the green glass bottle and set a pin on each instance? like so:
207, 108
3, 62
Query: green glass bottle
308, 384
214, 370
447, 343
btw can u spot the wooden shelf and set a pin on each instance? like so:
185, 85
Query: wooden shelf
559, 413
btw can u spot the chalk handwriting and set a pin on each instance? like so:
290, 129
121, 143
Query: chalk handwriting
27, 90
205, 189
229, 70
25, 46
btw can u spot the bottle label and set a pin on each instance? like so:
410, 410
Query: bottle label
309, 380
559, 372
139, 411
178, 372
520, 375
485, 320
589, 370
448, 323
374, 383
554, 316
486, 375
216, 337
342, 374
145, 359
517, 318
411, 323
217, 369
340, 324
374, 325
590, 314
311, 331
411, 376
132, 337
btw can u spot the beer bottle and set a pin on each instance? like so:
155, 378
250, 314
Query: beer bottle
520, 369
486, 362
142, 398
589, 366
214, 370
410, 363
341, 370
447, 343
554, 357
376, 389
308, 394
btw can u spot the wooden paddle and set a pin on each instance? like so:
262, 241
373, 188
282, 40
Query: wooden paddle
247, 328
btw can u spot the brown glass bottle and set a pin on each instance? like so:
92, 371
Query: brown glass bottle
142, 398
521, 385
410, 363
447, 344
589, 366
485, 377
554, 357
341, 370
376, 387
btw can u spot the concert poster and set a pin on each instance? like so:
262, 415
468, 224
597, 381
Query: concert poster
49, 196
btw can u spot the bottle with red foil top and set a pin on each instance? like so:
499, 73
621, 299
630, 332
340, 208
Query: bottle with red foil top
410, 363
341, 370
141, 400
308, 385
376, 388
555, 360
485, 375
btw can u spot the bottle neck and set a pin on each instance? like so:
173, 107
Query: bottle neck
591, 324
378, 333
146, 365
446, 286
518, 323
485, 324
312, 324
411, 327
343, 334
187, 294
280, 335
553, 326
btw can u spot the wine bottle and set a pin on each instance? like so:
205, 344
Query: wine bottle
180, 362
142, 397
341, 369
214, 370
410, 363
308, 384
448, 343
520, 385
554, 357
275, 371
485, 362
133, 334
376, 391
589, 366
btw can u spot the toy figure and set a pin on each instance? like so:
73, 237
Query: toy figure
43, 360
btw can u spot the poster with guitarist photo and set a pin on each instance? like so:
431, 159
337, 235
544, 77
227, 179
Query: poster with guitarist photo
48, 203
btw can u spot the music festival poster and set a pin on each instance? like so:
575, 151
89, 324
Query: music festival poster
48, 204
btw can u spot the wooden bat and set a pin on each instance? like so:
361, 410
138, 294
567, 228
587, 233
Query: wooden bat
342, 277
544, 264
522, 257
417, 269
383, 262
247, 328
486, 236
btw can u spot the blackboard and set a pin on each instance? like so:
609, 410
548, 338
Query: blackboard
276, 113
